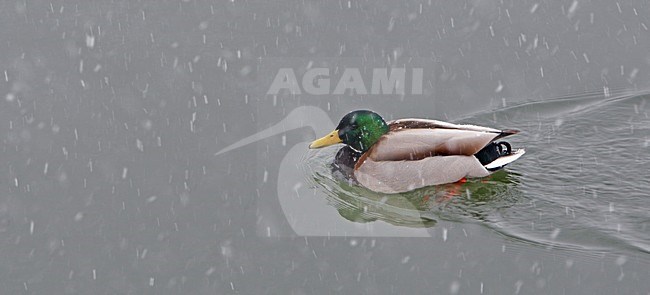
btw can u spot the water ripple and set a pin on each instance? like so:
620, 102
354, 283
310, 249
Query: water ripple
582, 186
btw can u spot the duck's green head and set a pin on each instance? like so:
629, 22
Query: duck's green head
358, 129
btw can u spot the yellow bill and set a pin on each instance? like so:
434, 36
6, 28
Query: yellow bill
330, 139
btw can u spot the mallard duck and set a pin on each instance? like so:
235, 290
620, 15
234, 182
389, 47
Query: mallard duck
407, 154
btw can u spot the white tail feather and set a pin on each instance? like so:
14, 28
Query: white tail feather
502, 161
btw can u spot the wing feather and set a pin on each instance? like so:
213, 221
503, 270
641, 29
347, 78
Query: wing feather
426, 123
416, 144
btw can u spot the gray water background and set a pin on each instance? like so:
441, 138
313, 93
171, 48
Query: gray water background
111, 113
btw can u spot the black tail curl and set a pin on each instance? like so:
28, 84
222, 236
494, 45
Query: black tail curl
493, 151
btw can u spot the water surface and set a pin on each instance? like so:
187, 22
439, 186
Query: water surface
111, 114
